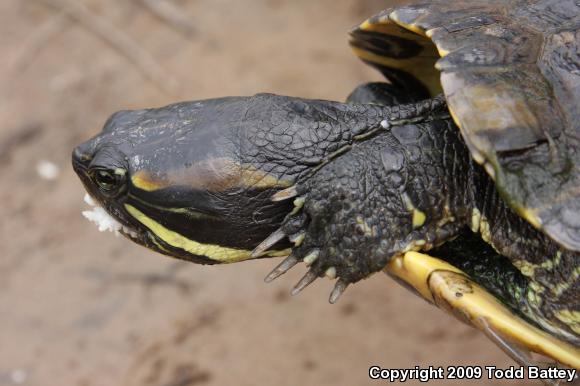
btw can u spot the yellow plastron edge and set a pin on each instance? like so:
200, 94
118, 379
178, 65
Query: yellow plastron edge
450, 288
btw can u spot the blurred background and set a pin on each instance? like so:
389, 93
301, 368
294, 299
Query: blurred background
79, 307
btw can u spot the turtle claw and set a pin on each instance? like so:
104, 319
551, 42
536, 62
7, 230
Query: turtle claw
268, 242
306, 280
309, 245
310, 258
282, 268
337, 291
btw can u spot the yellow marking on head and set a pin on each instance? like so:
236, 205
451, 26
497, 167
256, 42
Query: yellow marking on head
215, 174
142, 180
451, 289
253, 178
176, 240
161, 247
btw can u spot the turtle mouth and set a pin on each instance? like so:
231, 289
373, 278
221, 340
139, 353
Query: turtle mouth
104, 214
107, 222
115, 221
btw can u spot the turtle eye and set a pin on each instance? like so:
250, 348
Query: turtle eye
108, 181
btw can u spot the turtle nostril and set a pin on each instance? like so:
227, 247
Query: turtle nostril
80, 157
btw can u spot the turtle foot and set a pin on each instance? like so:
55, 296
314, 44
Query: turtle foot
326, 240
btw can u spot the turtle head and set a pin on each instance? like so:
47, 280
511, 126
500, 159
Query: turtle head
195, 180
186, 179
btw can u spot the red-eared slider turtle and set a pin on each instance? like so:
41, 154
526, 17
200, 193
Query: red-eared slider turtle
484, 178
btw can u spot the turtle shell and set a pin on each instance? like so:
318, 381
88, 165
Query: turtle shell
510, 71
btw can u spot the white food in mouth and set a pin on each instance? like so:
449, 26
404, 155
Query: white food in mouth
104, 220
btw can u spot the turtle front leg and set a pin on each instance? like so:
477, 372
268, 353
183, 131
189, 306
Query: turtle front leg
381, 198
337, 226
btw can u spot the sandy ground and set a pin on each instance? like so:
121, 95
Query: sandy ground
79, 307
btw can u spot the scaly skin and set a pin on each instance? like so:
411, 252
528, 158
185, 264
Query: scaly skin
552, 292
371, 182
368, 205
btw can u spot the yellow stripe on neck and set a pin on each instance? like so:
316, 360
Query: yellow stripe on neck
176, 240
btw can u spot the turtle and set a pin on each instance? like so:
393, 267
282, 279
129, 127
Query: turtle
459, 176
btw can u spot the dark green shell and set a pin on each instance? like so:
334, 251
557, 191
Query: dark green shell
510, 71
